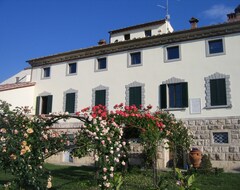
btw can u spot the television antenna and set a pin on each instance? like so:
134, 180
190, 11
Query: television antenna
167, 18
165, 8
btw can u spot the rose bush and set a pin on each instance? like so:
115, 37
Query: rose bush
26, 141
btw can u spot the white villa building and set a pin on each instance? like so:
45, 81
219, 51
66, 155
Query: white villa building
194, 74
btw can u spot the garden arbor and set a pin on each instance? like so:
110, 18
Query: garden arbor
27, 140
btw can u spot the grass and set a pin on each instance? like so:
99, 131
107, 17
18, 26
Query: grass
72, 178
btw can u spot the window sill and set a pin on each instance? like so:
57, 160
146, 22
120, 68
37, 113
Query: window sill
218, 107
172, 60
219, 144
174, 109
44, 78
100, 70
215, 54
71, 74
135, 65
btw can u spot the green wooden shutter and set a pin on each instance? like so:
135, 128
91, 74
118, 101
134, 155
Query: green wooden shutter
222, 97
135, 96
49, 104
218, 92
70, 103
184, 94
163, 96
37, 105
100, 97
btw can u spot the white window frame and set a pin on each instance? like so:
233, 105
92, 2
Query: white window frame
43, 72
96, 67
68, 69
129, 61
208, 54
166, 60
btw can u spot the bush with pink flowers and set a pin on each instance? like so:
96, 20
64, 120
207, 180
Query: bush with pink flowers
26, 141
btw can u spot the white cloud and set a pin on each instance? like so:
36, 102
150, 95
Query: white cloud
218, 12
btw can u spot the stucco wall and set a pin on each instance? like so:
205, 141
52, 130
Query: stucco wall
193, 66
140, 33
19, 97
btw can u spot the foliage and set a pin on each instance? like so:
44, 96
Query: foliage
117, 181
25, 143
28, 140
73, 177
177, 134
185, 182
206, 163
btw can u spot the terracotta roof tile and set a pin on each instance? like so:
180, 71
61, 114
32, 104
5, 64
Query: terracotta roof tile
12, 86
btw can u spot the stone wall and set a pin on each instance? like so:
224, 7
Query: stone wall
224, 155
205, 131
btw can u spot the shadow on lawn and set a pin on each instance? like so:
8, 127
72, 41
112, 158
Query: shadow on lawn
83, 175
63, 177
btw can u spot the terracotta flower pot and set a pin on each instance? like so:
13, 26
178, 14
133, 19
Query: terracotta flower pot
195, 157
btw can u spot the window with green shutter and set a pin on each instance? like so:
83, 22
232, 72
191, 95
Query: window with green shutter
174, 95
135, 96
100, 97
70, 103
46, 104
218, 92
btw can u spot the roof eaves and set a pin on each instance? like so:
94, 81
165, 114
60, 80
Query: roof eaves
137, 26
175, 37
13, 86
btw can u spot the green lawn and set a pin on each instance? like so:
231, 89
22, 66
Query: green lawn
74, 178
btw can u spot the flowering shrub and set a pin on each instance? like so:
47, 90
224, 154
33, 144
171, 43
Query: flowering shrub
101, 134
24, 144
26, 141
177, 135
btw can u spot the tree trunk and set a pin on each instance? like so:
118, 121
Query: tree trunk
174, 159
155, 172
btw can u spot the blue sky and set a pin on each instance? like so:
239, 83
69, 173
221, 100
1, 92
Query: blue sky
36, 28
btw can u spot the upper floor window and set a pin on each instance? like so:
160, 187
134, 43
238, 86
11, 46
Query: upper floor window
215, 47
70, 102
102, 63
72, 68
135, 58
217, 91
172, 53
135, 96
148, 33
100, 97
127, 37
46, 72
174, 95
44, 104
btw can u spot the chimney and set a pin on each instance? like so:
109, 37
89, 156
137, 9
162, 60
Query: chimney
232, 17
17, 79
193, 21
102, 42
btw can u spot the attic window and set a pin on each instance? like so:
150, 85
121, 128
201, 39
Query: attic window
127, 37
148, 33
